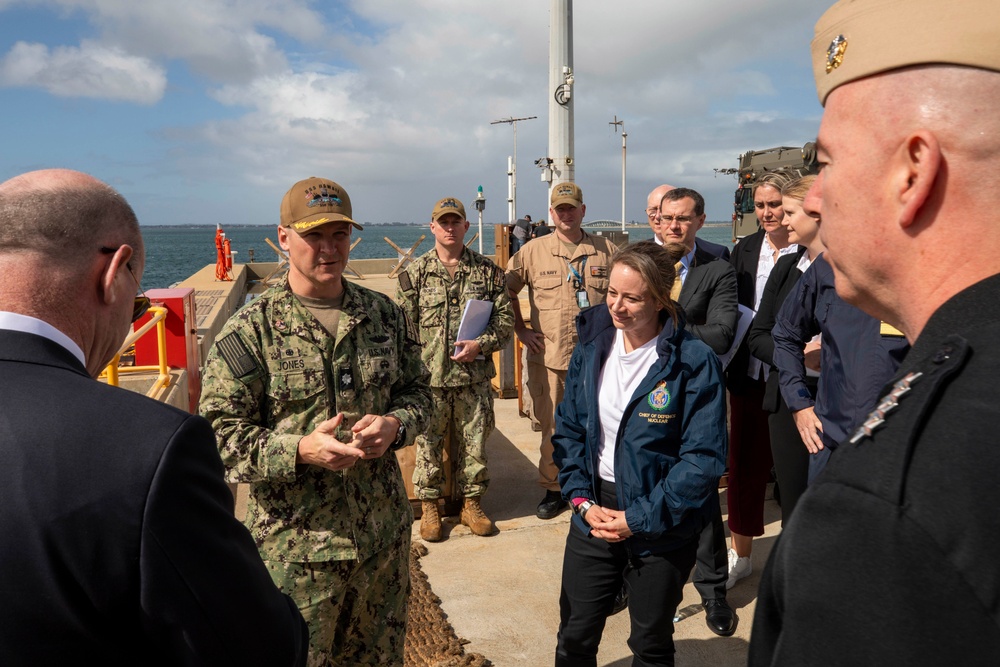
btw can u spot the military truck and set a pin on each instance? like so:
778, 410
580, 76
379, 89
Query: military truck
798, 161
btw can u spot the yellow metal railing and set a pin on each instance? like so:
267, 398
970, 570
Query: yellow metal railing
158, 319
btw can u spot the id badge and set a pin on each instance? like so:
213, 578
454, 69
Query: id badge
582, 300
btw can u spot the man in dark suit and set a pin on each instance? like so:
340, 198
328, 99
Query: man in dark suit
653, 216
708, 286
708, 296
119, 542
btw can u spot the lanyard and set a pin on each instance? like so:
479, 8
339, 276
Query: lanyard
574, 276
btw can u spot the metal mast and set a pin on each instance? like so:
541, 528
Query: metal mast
615, 124
561, 168
512, 168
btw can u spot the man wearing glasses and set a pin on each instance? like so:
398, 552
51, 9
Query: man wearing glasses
706, 290
119, 541
311, 388
653, 216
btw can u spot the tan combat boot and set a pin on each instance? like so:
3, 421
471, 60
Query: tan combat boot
473, 517
430, 521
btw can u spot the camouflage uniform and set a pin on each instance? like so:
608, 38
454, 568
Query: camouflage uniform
273, 375
462, 394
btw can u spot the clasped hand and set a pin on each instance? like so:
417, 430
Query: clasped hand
372, 436
607, 524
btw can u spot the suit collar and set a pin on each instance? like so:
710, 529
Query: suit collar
33, 325
701, 256
18, 346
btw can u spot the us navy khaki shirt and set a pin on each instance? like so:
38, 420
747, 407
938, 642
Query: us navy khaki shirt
544, 266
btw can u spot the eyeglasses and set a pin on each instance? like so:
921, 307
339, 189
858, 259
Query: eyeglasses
141, 303
652, 212
681, 219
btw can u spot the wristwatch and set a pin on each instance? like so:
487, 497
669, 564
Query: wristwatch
400, 437
582, 508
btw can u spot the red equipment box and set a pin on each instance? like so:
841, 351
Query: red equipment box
182, 337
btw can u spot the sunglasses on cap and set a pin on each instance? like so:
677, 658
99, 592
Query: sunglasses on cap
141, 303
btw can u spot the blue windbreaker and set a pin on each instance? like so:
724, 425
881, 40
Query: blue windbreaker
671, 445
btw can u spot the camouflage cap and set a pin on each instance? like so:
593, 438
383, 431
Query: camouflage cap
859, 38
567, 193
448, 205
314, 202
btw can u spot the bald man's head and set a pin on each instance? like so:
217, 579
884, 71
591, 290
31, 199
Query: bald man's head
74, 244
64, 215
653, 207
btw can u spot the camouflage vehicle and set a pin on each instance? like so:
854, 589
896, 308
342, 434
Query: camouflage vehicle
799, 161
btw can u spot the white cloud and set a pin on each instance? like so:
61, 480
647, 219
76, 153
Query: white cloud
223, 40
90, 70
694, 84
396, 98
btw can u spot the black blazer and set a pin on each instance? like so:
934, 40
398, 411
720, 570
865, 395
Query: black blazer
708, 298
745, 256
119, 542
717, 249
780, 283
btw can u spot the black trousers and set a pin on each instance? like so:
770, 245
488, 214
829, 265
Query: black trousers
712, 570
791, 459
593, 573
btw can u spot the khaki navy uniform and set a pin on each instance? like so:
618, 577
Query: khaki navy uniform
463, 398
273, 375
544, 266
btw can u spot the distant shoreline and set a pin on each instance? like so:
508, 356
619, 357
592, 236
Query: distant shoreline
630, 225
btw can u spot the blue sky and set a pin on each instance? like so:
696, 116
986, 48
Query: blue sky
204, 111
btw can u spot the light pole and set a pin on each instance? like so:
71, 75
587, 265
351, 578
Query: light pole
615, 124
480, 204
512, 168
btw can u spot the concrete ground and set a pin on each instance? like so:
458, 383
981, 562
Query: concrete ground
502, 592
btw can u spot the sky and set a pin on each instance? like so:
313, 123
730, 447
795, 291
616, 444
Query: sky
206, 111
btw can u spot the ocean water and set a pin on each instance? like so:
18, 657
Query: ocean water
174, 253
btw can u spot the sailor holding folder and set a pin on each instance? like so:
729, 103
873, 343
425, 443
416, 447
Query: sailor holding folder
435, 291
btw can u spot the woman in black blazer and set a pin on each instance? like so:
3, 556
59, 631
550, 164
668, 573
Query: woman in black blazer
754, 258
791, 458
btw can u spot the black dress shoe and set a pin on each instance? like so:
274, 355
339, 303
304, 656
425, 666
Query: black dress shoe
720, 617
551, 505
621, 602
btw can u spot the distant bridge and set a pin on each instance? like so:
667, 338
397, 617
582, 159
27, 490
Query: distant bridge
610, 224
617, 224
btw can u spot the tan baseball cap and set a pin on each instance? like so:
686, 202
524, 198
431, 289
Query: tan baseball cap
567, 193
314, 202
859, 38
448, 205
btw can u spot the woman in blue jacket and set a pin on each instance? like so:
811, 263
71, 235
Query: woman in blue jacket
640, 443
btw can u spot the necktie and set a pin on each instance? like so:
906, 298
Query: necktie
675, 291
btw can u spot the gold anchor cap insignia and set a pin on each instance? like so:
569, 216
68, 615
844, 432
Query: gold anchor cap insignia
835, 53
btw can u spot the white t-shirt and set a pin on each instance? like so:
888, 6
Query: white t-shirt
621, 375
